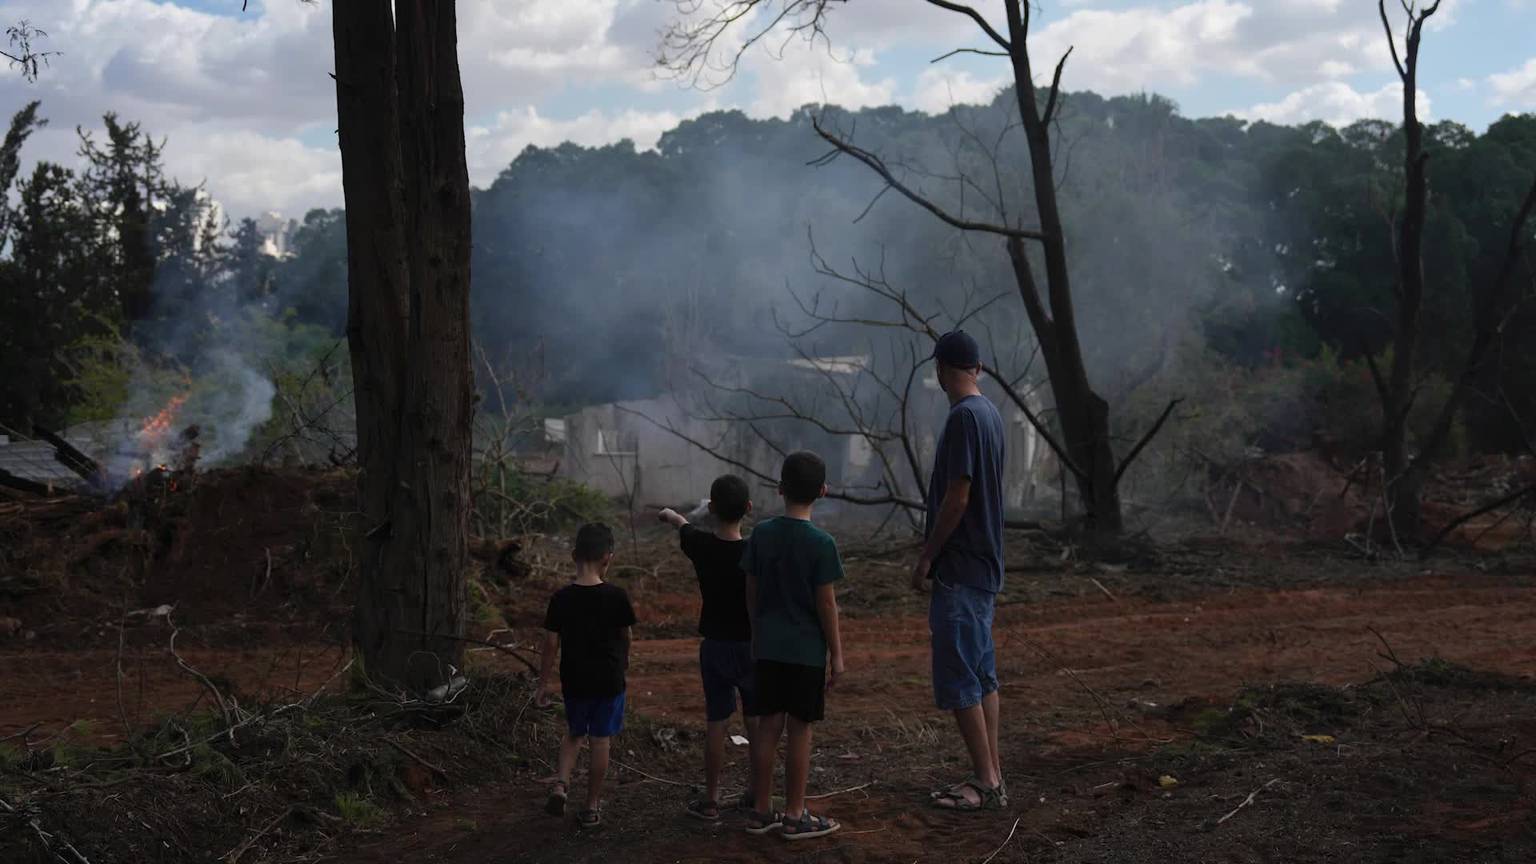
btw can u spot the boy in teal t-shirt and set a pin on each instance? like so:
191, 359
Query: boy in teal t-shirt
791, 566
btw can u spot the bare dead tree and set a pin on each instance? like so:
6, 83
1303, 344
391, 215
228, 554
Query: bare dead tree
1406, 471
23, 53
693, 48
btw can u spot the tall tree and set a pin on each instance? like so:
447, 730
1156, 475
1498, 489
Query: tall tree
1086, 448
1405, 468
400, 109
123, 179
23, 124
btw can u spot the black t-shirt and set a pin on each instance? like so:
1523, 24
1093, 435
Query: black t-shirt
722, 583
594, 650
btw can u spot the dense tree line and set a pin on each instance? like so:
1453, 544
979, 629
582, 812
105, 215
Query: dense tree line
1197, 244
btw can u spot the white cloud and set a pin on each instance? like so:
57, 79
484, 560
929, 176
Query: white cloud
492, 146
1149, 47
1515, 89
938, 89
807, 75
1336, 103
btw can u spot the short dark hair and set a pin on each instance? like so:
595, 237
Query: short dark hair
729, 496
594, 540
802, 477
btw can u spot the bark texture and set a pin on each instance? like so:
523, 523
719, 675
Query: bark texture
400, 110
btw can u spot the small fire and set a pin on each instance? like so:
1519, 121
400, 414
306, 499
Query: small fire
156, 429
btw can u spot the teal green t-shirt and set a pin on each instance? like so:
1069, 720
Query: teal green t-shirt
789, 558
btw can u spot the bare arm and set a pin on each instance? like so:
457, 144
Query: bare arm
956, 499
826, 610
547, 666
672, 517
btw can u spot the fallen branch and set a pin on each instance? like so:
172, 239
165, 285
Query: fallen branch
1249, 800
22, 734
473, 641
1468, 517
1006, 841
218, 697
839, 792
629, 767
1100, 585
44, 837
234, 855
418, 759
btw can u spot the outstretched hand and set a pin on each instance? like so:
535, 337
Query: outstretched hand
672, 517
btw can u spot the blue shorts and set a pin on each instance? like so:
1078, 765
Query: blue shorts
597, 717
964, 660
726, 668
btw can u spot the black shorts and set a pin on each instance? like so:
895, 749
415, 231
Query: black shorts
790, 688
726, 668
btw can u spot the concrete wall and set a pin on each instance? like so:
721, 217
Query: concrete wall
619, 450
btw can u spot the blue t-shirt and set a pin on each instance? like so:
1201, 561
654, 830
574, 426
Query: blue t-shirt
971, 445
789, 559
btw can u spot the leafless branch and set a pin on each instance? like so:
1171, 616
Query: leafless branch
1146, 439
948, 54
974, 16
878, 165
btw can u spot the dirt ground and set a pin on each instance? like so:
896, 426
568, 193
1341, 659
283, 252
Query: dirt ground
1155, 711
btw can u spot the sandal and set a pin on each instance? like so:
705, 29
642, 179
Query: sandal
703, 808
807, 826
554, 805
764, 823
589, 818
954, 798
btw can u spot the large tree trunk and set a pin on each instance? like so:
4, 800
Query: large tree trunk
400, 110
1083, 413
1405, 479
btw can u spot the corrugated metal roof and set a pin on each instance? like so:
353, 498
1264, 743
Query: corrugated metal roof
33, 460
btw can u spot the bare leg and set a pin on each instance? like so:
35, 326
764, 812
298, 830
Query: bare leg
714, 757
570, 748
752, 725
973, 728
597, 769
764, 747
797, 767
990, 706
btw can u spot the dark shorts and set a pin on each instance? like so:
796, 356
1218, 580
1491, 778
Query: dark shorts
964, 660
790, 688
726, 668
598, 717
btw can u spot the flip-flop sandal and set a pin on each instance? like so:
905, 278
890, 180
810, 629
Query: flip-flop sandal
554, 805
954, 799
807, 827
764, 823
589, 818
703, 808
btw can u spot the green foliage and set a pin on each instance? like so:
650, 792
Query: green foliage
509, 501
358, 810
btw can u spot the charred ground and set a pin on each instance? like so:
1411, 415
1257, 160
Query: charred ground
1247, 670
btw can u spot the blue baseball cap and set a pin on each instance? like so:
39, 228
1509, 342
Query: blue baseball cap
958, 350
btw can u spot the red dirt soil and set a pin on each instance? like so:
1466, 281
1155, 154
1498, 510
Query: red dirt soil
1090, 660
1151, 652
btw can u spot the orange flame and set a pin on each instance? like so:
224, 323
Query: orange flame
156, 429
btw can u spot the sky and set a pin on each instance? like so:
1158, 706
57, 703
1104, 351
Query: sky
245, 103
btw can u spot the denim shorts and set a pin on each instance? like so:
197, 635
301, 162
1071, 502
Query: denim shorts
964, 660
598, 717
726, 668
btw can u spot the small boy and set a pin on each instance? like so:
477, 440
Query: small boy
725, 651
588, 623
791, 566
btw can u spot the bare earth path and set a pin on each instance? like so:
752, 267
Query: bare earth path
1125, 656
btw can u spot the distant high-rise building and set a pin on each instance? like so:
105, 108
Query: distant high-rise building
276, 233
